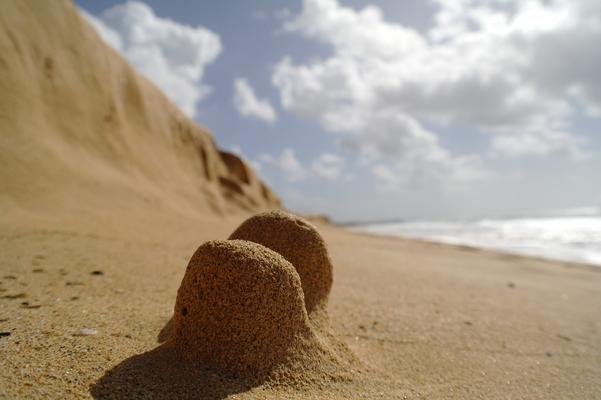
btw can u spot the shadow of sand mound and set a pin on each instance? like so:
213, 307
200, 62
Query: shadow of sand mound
165, 331
240, 320
159, 374
162, 374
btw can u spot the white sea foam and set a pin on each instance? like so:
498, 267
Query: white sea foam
568, 235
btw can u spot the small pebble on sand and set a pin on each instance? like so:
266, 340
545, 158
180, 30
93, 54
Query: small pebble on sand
87, 332
26, 304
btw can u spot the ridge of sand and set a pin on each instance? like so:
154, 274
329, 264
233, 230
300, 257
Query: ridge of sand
80, 128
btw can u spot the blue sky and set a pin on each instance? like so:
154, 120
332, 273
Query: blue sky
413, 109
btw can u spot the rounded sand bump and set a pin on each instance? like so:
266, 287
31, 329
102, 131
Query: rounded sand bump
239, 309
298, 242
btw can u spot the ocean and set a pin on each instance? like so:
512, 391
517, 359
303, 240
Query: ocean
568, 234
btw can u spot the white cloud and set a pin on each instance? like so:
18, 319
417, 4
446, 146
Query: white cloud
111, 37
385, 177
286, 164
538, 142
328, 166
172, 55
303, 202
434, 168
247, 103
508, 68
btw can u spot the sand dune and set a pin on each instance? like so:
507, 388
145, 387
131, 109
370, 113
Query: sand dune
107, 191
79, 126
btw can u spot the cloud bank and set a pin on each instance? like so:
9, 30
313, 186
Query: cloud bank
172, 55
516, 71
248, 105
286, 164
328, 166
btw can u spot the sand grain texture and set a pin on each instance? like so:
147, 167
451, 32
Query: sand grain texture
239, 309
299, 243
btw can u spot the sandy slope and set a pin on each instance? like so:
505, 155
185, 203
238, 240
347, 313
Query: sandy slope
79, 128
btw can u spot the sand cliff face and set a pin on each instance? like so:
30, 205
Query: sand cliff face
79, 128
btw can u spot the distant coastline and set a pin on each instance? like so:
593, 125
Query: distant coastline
572, 235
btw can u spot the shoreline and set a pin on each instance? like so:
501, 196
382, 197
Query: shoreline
570, 239
491, 250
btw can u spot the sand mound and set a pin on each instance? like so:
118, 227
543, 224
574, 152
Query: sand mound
299, 243
82, 129
239, 309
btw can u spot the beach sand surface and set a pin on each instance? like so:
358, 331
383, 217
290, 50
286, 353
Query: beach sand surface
80, 296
